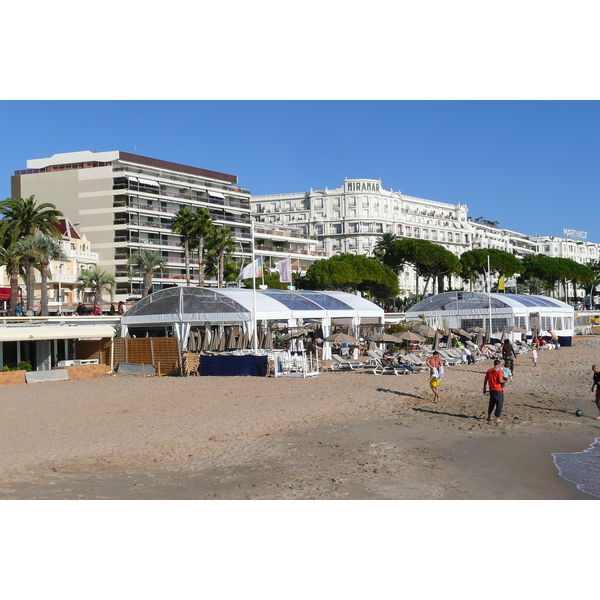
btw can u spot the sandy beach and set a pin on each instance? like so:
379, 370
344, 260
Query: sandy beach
341, 435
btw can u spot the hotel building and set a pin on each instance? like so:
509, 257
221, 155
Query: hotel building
124, 202
351, 218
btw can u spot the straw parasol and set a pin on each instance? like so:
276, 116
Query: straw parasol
222, 340
425, 330
409, 336
385, 337
515, 329
480, 333
340, 338
230, 339
436, 340
461, 332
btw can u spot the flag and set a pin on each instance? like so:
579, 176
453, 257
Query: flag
254, 269
501, 283
285, 270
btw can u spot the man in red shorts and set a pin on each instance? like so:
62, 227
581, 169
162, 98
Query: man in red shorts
495, 380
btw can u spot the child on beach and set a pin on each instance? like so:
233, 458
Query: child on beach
534, 352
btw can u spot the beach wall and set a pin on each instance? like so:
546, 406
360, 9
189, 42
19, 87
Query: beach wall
8, 377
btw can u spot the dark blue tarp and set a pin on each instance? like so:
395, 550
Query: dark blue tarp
231, 366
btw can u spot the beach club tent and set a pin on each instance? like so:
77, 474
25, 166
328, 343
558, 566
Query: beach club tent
468, 310
176, 310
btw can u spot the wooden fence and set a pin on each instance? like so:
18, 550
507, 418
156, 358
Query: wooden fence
160, 352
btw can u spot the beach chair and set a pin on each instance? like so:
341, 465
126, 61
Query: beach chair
448, 359
339, 364
382, 368
416, 364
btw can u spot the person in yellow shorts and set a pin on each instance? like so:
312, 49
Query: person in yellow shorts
434, 362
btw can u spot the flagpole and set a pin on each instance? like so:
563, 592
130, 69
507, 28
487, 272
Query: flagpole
489, 294
253, 289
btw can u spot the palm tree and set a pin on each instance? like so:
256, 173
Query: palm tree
26, 250
146, 261
21, 217
99, 281
184, 224
221, 243
383, 245
204, 228
48, 250
10, 261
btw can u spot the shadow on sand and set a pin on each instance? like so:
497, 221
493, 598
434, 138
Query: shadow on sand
398, 393
439, 412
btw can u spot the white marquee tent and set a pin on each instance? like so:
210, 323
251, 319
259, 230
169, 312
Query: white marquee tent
181, 307
466, 310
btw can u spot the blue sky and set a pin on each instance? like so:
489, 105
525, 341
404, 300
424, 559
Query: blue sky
531, 165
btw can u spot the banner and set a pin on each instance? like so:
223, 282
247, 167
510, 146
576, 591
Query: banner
285, 270
254, 269
501, 283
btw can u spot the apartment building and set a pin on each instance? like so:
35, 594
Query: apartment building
124, 202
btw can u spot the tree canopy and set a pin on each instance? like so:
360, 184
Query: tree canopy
501, 263
351, 273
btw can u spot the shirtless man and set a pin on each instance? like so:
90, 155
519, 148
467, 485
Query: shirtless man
596, 384
434, 362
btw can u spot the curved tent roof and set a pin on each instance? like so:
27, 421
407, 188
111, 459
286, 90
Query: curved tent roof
454, 301
195, 304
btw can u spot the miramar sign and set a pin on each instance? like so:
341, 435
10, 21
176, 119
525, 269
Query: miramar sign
573, 233
363, 186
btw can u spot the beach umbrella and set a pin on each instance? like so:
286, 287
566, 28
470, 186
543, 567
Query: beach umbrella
488, 334
436, 340
503, 336
515, 329
340, 338
206, 340
477, 330
192, 341
480, 337
386, 337
230, 342
425, 330
409, 336
243, 340
461, 332
222, 340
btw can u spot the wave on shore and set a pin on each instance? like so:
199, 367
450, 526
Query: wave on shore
581, 468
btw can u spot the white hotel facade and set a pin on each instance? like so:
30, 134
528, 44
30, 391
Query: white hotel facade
351, 218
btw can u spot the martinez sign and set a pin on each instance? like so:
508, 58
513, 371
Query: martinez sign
362, 186
573, 233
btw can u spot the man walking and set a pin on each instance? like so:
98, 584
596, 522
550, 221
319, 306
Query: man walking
436, 372
495, 380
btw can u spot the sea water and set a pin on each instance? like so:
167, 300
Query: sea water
581, 468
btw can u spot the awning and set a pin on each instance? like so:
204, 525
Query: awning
19, 333
148, 182
216, 195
